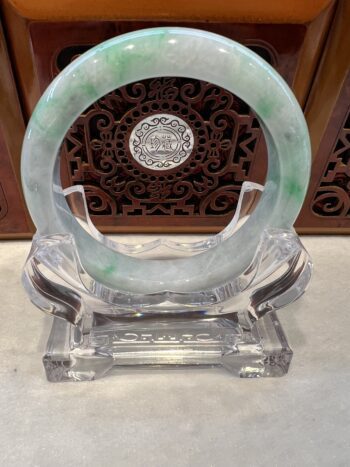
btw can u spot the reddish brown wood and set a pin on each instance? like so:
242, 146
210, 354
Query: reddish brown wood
204, 193
195, 199
13, 217
328, 201
327, 205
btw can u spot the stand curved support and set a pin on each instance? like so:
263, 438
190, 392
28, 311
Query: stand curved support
233, 325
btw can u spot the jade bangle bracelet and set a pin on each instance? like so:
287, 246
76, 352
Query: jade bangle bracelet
154, 53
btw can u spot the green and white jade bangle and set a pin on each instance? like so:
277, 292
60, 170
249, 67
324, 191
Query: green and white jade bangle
168, 52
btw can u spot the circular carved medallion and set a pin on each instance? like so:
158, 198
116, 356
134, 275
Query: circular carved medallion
161, 142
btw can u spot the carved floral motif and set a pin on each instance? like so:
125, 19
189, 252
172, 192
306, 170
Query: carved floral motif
207, 183
332, 197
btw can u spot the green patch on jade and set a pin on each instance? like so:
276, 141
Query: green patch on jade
294, 189
108, 270
265, 108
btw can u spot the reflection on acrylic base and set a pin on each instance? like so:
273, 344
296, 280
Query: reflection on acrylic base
232, 325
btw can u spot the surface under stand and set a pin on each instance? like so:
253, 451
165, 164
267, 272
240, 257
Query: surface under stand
232, 325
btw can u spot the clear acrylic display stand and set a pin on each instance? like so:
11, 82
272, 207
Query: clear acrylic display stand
233, 325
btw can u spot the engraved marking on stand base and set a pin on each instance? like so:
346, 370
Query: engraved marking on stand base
161, 142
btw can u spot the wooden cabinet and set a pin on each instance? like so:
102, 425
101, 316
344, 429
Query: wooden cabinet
199, 196
14, 220
327, 206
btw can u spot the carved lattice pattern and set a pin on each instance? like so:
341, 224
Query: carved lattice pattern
96, 151
226, 135
332, 197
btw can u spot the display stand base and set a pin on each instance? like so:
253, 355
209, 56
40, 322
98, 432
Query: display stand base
75, 355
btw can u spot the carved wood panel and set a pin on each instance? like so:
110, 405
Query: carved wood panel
226, 137
13, 220
327, 205
332, 196
201, 194
204, 190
